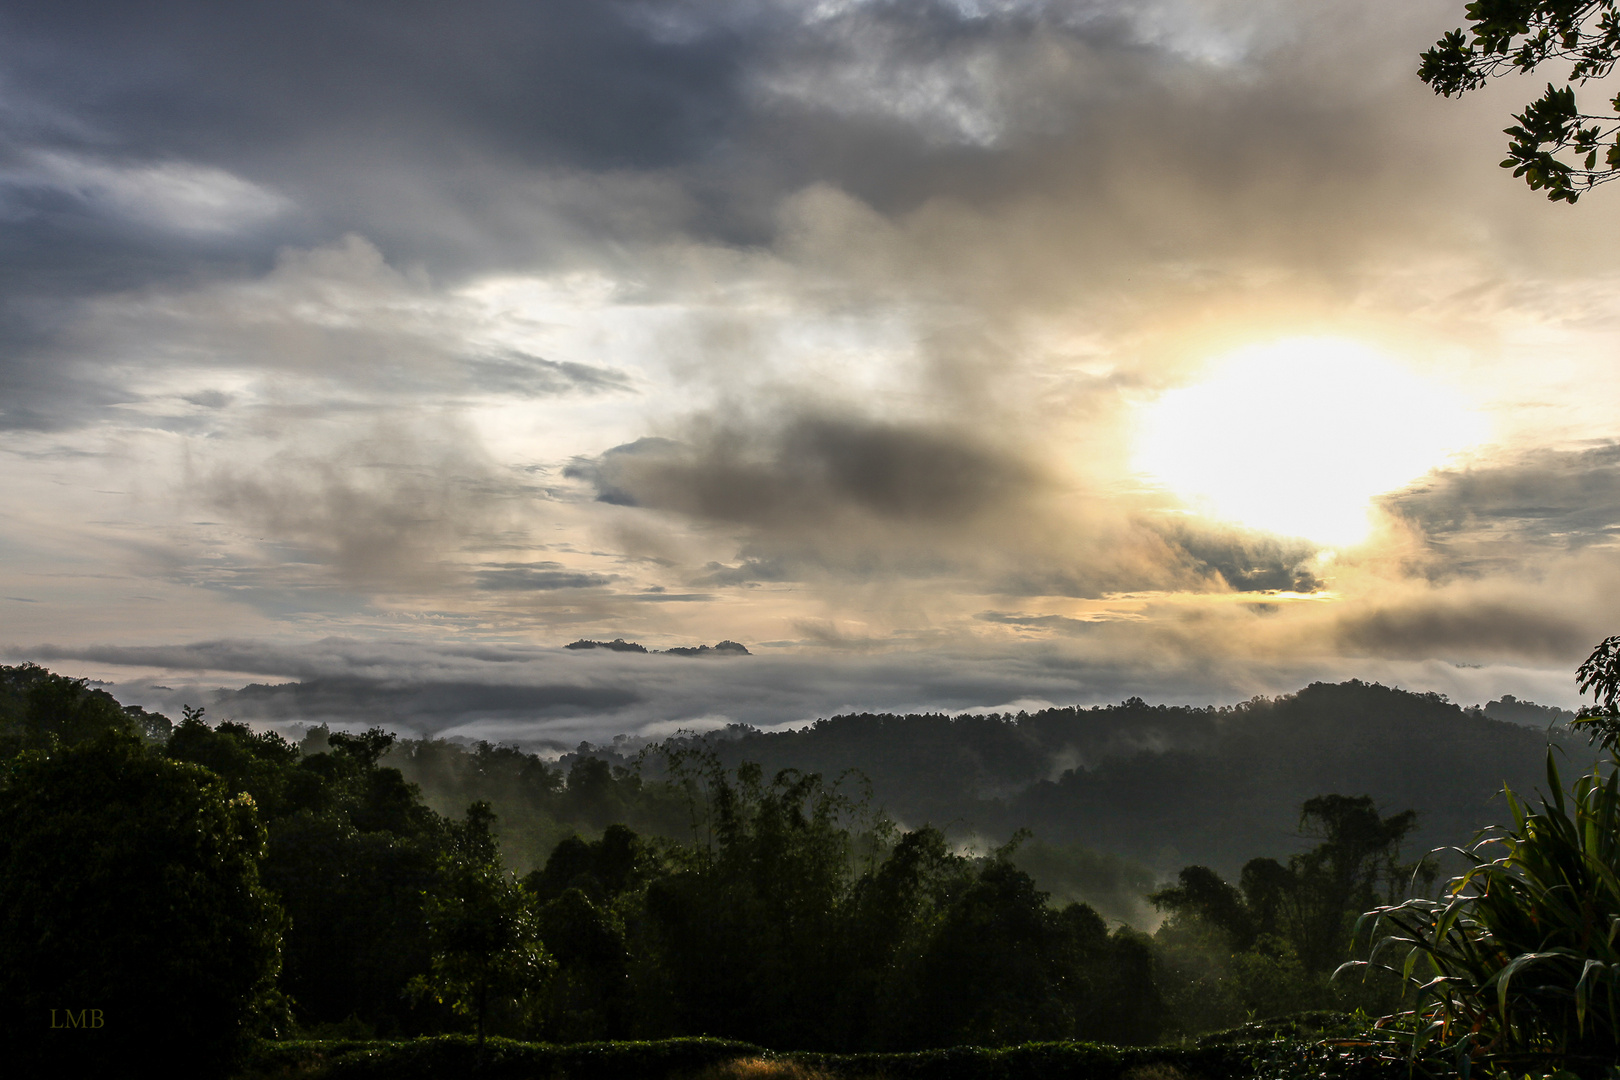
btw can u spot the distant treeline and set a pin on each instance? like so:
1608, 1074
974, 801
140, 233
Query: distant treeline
200, 884
1164, 785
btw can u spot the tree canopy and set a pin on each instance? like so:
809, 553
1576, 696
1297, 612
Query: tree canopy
1555, 145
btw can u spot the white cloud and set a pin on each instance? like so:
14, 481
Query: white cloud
175, 196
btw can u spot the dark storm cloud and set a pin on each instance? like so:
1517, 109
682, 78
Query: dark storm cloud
818, 494
810, 471
1477, 519
541, 78
149, 142
455, 136
167, 144
320, 104
601, 472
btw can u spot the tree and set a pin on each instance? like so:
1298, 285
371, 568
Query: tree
1203, 894
747, 925
1599, 675
351, 851
1269, 945
486, 937
129, 886
1356, 865
1003, 967
589, 995
1311, 903
1508, 36
584, 892
40, 709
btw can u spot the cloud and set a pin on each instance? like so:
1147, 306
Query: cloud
551, 697
750, 571
1471, 628
817, 324
520, 375
803, 470
1499, 513
329, 328
808, 494
601, 472
1061, 623
432, 706
538, 577
176, 196
385, 505
1244, 560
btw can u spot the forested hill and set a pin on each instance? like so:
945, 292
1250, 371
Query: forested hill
1169, 785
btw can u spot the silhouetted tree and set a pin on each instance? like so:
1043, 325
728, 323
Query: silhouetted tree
1310, 904
1507, 36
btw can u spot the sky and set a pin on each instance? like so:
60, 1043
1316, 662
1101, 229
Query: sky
970, 355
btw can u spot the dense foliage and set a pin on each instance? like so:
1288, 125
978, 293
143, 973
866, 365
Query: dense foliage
39, 710
1516, 966
351, 854
486, 948
793, 918
133, 925
538, 803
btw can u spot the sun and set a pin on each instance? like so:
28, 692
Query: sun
1296, 437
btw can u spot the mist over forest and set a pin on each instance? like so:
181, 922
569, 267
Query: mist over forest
870, 883
1153, 786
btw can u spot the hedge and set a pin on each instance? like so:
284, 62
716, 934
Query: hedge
456, 1057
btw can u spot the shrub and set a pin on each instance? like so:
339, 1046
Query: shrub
1518, 962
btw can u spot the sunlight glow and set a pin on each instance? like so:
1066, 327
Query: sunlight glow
1296, 437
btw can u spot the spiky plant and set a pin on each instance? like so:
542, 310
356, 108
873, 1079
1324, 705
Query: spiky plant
1517, 963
